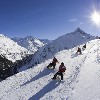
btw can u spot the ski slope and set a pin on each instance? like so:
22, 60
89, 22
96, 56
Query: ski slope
81, 80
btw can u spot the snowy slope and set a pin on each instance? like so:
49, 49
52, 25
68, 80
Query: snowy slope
11, 50
88, 86
30, 43
81, 80
65, 42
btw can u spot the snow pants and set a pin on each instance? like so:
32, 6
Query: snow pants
58, 73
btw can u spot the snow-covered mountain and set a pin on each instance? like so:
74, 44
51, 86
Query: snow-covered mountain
11, 50
30, 43
81, 79
65, 42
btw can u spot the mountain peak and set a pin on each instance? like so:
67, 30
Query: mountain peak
78, 30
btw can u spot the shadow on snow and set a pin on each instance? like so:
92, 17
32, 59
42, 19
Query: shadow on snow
45, 72
49, 87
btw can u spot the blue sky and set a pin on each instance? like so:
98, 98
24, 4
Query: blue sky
46, 19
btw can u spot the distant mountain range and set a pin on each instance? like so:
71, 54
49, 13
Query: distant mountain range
30, 43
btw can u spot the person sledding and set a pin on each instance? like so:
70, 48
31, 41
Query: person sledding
79, 51
53, 64
62, 69
84, 47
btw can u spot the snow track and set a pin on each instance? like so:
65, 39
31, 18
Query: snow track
87, 86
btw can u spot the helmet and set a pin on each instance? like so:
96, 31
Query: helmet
62, 63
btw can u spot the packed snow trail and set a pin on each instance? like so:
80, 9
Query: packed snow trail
88, 87
36, 83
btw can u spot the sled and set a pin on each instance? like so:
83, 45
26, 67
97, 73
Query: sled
50, 67
58, 78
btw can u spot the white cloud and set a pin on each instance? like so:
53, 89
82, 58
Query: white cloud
72, 20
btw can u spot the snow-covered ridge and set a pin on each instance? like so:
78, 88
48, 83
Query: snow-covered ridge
11, 50
65, 42
30, 43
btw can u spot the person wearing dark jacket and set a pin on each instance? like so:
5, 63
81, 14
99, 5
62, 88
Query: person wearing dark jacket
79, 50
84, 47
53, 64
62, 69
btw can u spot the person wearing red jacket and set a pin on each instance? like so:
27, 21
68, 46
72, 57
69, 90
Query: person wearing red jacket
62, 69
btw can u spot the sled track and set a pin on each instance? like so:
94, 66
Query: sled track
73, 78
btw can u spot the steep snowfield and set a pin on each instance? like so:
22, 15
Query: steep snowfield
81, 80
11, 50
30, 43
